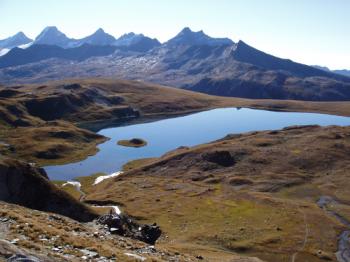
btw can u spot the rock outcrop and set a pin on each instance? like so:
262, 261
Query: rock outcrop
123, 225
24, 184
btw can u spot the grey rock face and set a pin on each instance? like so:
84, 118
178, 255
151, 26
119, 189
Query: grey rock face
24, 184
52, 36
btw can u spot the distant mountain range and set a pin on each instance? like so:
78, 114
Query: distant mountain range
34, 53
52, 36
190, 60
343, 72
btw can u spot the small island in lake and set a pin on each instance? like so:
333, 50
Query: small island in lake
134, 142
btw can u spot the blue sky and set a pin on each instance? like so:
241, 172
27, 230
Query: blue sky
307, 31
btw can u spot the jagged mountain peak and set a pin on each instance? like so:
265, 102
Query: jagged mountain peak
100, 30
188, 37
186, 30
52, 36
136, 42
130, 35
99, 37
129, 39
50, 30
20, 34
16, 40
127, 35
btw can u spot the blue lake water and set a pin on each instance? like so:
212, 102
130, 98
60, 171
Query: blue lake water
189, 130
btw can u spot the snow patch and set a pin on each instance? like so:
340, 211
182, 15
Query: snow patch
25, 45
101, 178
137, 257
4, 51
115, 208
77, 185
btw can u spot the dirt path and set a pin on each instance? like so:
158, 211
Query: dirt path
77, 186
343, 252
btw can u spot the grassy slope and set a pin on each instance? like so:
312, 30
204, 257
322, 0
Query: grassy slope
261, 204
46, 144
152, 99
259, 207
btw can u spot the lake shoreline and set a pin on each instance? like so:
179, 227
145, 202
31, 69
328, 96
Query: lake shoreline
168, 134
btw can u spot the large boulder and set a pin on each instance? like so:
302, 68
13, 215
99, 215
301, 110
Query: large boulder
123, 225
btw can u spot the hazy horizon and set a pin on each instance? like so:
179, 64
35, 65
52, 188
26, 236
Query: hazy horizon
312, 32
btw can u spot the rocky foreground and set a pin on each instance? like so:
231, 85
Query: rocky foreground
45, 236
56, 227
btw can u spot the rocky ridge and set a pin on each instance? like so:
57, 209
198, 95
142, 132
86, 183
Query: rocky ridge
190, 60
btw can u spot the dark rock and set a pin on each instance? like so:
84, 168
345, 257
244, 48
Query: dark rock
61, 134
111, 220
51, 153
29, 186
150, 233
23, 258
6, 93
222, 158
239, 181
72, 86
123, 225
20, 122
137, 141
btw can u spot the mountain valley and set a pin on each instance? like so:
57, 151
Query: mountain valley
197, 148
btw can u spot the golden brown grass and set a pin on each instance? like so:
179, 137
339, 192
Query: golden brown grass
43, 144
263, 204
88, 181
70, 189
259, 206
136, 163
